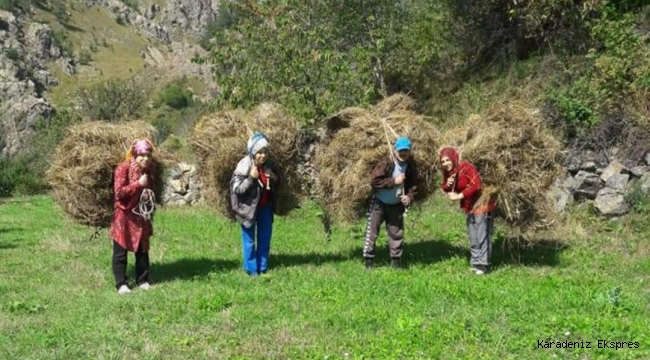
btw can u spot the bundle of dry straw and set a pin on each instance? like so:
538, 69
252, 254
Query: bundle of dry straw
81, 174
518, 159
357, 140
219, 141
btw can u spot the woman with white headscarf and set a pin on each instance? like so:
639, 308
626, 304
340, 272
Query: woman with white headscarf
251, 188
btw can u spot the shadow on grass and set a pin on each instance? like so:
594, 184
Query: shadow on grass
4, 246
422, 252
505, 252
185, 269
9, 244
70, 27
290, 260
518, 251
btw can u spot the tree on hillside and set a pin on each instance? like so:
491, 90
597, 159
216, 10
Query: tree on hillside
316, 57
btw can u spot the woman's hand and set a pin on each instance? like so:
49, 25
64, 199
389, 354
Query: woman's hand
455, 196
450, 181
143, 180
254, 173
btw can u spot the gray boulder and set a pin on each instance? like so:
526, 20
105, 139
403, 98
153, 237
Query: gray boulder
589, 166
639, 171
614, 168
586, 185
618, 182
611, 202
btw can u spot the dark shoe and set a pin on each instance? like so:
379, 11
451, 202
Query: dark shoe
396, 263
369, 263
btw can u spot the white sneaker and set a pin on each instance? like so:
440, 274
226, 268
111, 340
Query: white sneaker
480, 269
123, 290
145, 286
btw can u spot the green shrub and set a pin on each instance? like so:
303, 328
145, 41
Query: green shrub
112, 100
25, 174
176, 97
639, 199
615, 69
576, 104
17, 176
60, 11
12, 54
85, 57
170, 121
15, 5
61, 40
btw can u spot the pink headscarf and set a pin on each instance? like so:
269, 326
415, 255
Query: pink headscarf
142, 146
138, 147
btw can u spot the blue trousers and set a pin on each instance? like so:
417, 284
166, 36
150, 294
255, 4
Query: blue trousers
256, 258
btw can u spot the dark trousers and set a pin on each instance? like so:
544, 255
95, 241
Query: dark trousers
393, 215
120, 255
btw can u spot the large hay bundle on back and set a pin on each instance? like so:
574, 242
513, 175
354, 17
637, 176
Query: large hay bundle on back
518, 159
81, 173
356, 141
219, 141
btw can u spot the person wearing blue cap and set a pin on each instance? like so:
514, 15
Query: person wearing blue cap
251, 197
394, 181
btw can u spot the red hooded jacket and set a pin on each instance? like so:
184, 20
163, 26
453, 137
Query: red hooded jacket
467, 181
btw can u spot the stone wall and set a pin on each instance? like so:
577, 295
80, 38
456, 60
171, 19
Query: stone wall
606, 186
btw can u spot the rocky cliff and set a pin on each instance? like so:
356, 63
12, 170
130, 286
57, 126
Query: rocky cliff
26, 48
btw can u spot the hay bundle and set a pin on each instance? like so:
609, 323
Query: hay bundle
356, 141
81, 174
518, 159
219, 141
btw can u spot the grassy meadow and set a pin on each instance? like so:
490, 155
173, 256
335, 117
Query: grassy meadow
586, 281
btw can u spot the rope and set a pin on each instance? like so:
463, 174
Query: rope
390, 147
146, 205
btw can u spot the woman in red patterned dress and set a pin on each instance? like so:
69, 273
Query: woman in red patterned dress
131, 229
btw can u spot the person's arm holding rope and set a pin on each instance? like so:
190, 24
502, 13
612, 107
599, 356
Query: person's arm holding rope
382, 178
473, 180
411, 184
244, 177
123, 189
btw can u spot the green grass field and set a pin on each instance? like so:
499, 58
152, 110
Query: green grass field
57, 299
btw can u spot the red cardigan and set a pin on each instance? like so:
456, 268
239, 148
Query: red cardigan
469, 183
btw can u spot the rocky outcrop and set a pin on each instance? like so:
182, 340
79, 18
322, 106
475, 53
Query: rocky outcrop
183, 187
131, 16
190, 17
40, 40
25, 48
180, 17
178, 63
607, 187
